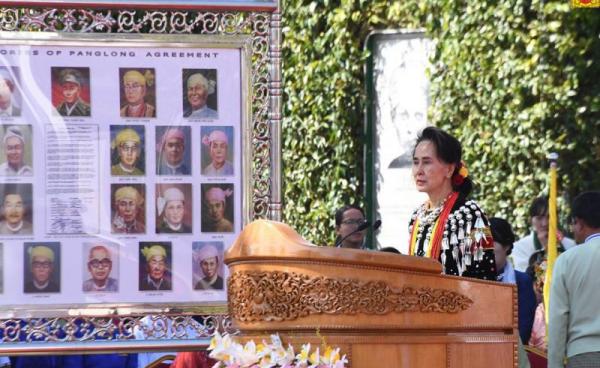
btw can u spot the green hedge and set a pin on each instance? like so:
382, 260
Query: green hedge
512, 79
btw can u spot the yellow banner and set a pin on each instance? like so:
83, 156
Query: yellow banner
585, 3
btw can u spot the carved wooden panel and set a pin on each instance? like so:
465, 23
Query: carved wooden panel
279, 296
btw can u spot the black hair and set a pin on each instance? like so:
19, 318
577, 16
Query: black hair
449, 150
539, 206
503, 233
390, 250
22, 190
339, 214
586, 207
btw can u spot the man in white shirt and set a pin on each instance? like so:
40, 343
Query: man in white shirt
538, 239
574, 318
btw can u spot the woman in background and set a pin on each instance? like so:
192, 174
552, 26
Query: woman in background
504, 239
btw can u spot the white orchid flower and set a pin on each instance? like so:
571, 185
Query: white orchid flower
302, 357
314, 359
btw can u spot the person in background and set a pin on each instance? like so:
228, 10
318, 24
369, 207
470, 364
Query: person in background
538, 239
347, 220
448, 222
537, 272
574, 318
503, 243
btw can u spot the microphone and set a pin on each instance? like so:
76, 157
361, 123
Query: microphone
376, 225
361, 227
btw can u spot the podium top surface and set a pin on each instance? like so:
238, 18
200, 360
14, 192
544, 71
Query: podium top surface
270, 240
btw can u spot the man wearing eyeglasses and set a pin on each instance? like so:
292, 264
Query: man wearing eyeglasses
99, 266
41, 261
347, 221
127, 143
135, 87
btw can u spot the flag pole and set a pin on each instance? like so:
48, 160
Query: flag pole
551, 248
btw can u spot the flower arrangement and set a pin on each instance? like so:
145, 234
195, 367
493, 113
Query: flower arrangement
231, 354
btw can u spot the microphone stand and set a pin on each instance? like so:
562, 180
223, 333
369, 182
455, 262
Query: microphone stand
361, 227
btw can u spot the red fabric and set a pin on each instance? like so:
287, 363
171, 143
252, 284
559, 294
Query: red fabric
436, 241
536, 360
193, 359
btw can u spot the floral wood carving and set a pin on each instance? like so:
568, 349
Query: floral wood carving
279, 296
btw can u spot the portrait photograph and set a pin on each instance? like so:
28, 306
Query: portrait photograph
10, 92
16, 211
128, 208
173, 150
155, 266
174, 208
127, 153
207, 265
216, 156
71, 91
41, 267
17, 147
217, 208
100, 267
137, 91
200, 94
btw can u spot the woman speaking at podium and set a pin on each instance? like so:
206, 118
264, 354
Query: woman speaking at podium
448, 227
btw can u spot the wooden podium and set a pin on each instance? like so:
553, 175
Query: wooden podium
381, 309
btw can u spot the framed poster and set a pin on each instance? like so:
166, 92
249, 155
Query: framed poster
122, 159
398, 89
